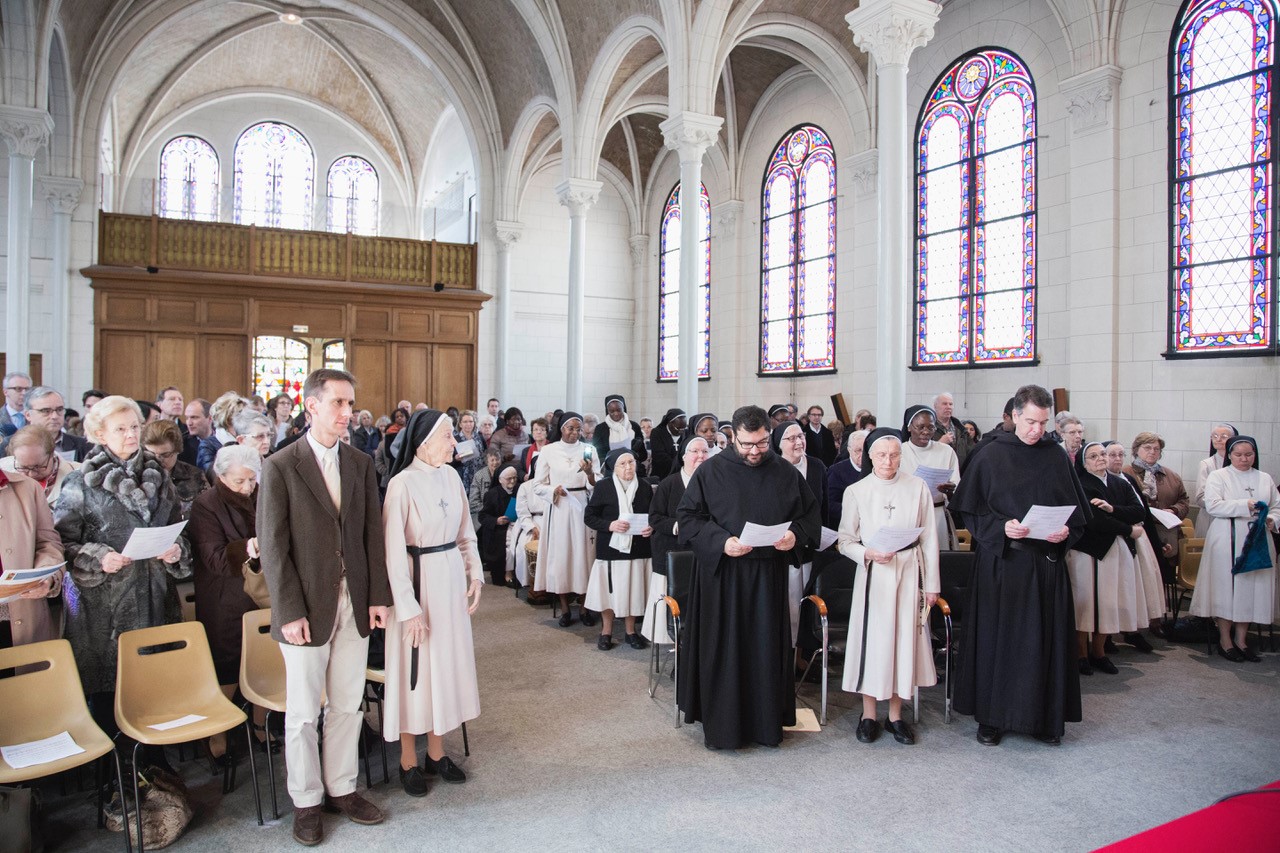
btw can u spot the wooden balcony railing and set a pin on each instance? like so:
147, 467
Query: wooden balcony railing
142, 241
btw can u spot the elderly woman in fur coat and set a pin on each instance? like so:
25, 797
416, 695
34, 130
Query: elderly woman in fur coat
119, 488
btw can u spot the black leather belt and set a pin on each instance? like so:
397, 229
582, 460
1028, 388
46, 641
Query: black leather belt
1049, 550
415, 551
578, 489
417, 554
535, 513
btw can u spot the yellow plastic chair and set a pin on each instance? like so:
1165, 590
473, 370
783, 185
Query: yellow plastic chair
262, 679
187, 598
1185, 574
163, 674
39, 704
964, 540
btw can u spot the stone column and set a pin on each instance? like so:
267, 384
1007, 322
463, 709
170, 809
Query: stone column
690, 135
63, 196
507, 234
579, 195
891, 30
729, 289
24, 130
1093, 350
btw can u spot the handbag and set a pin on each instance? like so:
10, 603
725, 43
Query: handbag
166, 810
1254, 555
255, 584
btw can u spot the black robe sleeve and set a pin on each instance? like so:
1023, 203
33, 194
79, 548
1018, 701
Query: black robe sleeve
602, 509
697, 530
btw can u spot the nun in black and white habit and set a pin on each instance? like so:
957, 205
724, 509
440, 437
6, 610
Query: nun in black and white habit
889, 652
620, 574
567, 472
617, 431
788, 440
694, 450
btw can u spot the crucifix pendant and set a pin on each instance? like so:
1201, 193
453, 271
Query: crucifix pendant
444, 507
1249, 489
890, 508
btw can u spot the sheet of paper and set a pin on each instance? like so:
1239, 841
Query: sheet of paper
829, 537
173, 724
54, 748
806, 721
638, 520
463, 449
762, 535
934, 477
1044, 521
66, 455
147, 542
22, 577
1166, 518
889, 540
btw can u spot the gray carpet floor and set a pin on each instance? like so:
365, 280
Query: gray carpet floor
570, 753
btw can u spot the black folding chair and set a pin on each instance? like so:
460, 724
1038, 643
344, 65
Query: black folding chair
680, 569
826, 613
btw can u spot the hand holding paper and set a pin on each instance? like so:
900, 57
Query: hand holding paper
933, 477
889, 540
1044, 521
763, 535
146, 543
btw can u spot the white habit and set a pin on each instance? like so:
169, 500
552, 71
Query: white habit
935, 455
1250, 597
566, 548
530, 512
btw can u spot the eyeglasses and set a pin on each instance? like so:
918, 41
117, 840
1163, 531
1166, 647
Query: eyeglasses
165, 456
23, 388
127, 430
55, 410
762, 444
34, 471
794, 438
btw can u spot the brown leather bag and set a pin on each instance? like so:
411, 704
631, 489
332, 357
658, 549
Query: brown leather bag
255, 584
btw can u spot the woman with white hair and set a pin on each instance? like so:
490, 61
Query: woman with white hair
889, 653
119, 488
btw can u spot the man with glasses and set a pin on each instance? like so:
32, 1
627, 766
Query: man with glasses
16, 386
738, 681
45, 408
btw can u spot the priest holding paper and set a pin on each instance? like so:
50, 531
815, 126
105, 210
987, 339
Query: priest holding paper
1017, 669
737, 638
887, 528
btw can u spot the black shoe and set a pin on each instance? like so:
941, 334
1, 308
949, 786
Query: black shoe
1103, 664
604, 643
566, 618
900, 730
1232, 654
444, 768
1139, 642
1085, 669
988, 735
1249, 654
868, 730
513, 583
636, 641
1109, 646
1052, 740
588, 617
414, 781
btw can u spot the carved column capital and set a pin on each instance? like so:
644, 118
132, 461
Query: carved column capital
891, 30
24, 130
727, 215
863, 169
691, 134
63, 194
1091, 98
639, 248
507, 233
578, 194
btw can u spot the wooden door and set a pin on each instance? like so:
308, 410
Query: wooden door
410, 376
452, 382
224, 365
123, 364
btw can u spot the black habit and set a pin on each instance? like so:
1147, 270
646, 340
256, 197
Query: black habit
603, 509
1017, 670
662, 448
662, 518
739, 681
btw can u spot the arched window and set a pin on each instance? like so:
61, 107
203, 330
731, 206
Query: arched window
274, 172
975, 293
353, 196
798, 256
1222, 194
669, 287
280, 366
335, 355
189, 179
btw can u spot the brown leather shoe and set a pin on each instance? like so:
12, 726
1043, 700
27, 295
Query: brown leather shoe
357, 808
307, 826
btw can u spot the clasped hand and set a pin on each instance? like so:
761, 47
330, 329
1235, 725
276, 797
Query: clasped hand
620, 526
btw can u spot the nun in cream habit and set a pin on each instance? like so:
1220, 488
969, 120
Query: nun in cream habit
566, 474
889, 653
918, 450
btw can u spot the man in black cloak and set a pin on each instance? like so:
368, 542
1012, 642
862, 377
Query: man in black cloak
1017, 669
738, 681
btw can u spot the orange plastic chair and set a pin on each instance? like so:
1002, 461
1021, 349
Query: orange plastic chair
39, 704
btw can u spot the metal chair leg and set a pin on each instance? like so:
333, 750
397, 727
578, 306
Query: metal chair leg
124, 805
466, 744
271, 768
253, 768
946, 714
676, 691
137, 801
826, 649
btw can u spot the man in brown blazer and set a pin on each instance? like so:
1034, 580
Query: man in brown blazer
320, 536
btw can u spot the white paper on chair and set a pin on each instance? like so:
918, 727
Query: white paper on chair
148, 542
463, 449
890, 540
829, 538
1165, 517
933, 477
763, 535
54, 748
638, 520
178, 723
806, 721
1045, 521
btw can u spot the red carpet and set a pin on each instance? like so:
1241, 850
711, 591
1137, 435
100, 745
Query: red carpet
1249, 823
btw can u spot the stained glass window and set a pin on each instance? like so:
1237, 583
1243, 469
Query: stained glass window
975, 253
669, 287
1223, 254
274, 172
280, 366
798, 255
188, 179
353, 196
335, 355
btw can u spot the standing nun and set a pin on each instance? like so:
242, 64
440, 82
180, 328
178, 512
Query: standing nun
694, 450
566, 474
617, 431
1217, 458
889, 653
620, 575
1151, 592
919, 449
788, 441
1234, 496
435, 574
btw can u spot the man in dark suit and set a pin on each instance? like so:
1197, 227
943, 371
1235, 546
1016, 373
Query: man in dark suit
818, 440
320, 535
45, 408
